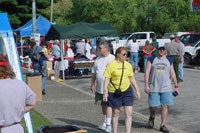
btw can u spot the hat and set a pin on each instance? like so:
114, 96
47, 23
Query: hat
161, 47
172, 36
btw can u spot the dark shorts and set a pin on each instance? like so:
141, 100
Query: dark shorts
126, 99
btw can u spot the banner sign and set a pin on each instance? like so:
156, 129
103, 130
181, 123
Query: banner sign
36, 37
194, 5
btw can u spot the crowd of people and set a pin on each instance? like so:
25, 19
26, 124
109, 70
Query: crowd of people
52, 51
115, 86
112, 80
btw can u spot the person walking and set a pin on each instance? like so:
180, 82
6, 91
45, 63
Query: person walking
16, 99
147, 50
134, 47
155, 44
43, 66
118, 91
97, 80
35, 57
180, 66
174, 51
158, 75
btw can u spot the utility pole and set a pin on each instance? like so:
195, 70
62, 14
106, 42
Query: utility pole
34, 16
148, 19
51, 16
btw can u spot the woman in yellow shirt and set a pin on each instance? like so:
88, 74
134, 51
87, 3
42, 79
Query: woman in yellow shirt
118, 78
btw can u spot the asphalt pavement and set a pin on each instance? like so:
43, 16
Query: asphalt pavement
72, 103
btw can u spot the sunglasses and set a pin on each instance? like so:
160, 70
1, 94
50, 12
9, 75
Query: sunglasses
161, 49
124, 54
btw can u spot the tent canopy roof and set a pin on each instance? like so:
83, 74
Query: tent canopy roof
4, 23
42, 26
80, 30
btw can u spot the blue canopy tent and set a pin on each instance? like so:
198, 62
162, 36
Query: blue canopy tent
8, 47
42, 25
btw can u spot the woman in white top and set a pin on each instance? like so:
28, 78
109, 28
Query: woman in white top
134, 47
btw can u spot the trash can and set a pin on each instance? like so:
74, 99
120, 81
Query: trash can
58, 129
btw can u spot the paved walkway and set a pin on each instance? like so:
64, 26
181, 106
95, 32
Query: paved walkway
65, 104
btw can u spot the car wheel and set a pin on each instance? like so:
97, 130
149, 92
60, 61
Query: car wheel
187, 59
197, 59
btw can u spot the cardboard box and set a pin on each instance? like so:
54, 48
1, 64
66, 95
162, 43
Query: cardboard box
49, 65
50, 73
35, 83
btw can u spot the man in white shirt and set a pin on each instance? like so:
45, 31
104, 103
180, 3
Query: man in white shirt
97, 81
134, 47
80, 47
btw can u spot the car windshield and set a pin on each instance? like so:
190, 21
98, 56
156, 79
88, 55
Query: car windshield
124, 36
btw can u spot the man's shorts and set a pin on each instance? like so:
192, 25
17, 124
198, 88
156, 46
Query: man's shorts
125, 100
99, 98
157, 99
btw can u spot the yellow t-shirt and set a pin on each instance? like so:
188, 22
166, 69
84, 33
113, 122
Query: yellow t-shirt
114, 72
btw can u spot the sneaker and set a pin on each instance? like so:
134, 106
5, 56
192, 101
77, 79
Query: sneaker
164, 129
180, 80
108, 129
103, 126
43, 92
151, 122
136, 71
60, 80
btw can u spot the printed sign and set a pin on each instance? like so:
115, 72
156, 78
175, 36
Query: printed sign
195, 5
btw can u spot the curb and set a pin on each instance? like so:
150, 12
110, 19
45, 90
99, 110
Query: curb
192, 67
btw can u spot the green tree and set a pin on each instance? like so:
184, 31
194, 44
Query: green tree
20, 11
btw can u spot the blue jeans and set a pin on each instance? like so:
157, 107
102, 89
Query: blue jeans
180, 70
44, 75
145, 57
36, 67
134, 59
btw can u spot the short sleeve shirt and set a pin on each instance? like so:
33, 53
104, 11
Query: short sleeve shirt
14, 96
99, 68
159, 78
114, 72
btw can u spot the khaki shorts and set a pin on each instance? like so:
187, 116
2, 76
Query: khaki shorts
99, 99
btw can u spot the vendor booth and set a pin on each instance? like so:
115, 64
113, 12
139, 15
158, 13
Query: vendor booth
79, 30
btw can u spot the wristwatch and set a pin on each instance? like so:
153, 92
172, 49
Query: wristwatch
176, 86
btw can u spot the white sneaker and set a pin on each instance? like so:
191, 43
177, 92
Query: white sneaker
102, 127
108, 129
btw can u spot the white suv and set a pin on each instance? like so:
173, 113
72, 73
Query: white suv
190, 52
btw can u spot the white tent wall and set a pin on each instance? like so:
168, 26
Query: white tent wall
7, 41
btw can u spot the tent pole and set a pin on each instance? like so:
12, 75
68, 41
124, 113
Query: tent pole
62, 58
21, 46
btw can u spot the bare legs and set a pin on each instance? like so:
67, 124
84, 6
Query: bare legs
128, 118
163, 113
128, 110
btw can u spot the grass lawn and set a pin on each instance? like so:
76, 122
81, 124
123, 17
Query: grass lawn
37, 121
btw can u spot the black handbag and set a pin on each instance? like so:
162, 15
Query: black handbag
118, 92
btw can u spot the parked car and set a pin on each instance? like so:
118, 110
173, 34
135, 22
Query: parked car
124, 36
190, 38
196, 59
191, 53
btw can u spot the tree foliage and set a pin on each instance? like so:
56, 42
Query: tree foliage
125, 15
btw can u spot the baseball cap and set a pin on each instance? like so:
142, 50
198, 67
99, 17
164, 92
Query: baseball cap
172, 36
162, 47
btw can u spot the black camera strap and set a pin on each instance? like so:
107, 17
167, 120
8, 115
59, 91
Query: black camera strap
120, 78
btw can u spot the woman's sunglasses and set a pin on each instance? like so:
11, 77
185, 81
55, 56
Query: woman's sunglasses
124, 54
